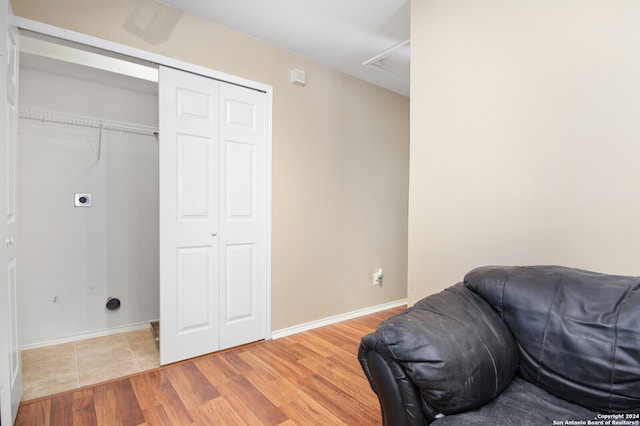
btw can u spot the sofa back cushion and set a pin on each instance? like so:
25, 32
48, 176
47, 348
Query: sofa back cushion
577, 332
454, 348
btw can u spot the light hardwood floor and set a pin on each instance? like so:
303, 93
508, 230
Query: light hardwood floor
311, 378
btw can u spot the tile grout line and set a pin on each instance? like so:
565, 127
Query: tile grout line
133, 354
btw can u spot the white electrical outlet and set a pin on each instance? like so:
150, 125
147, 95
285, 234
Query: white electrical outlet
377, 277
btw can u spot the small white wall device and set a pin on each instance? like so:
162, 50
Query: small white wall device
298, 77
377, 277
82, 199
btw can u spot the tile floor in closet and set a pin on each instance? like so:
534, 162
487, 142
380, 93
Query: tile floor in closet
57, 368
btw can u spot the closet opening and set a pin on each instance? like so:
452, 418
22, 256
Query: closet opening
143, 194
87, 208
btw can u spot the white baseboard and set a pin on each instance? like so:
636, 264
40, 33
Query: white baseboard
277, 334
87, 335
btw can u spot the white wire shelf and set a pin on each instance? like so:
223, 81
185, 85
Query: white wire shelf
81, 120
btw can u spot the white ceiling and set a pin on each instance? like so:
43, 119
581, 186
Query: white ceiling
341, 34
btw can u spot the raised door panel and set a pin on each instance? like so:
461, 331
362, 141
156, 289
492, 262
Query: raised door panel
194, 176
14, 344
240, 273
240, 181
196, 300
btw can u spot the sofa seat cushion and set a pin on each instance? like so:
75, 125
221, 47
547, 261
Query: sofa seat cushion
577, 331
522, 404
453, 347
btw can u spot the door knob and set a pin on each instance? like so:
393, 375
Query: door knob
9, 241
214, 233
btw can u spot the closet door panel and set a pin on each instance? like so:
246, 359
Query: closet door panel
195, 299
189, 192
243, 218
240, 269
194, 174
10, 359
240, 181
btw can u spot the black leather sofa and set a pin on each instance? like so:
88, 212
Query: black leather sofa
529, 345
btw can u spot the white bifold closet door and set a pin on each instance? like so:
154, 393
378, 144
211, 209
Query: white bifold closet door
10, 360
213, 215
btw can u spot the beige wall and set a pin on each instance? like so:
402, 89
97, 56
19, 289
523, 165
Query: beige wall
340, 155
525, 137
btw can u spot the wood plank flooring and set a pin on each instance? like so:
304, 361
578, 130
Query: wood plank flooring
311, 378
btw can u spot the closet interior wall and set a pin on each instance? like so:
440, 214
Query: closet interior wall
72, 259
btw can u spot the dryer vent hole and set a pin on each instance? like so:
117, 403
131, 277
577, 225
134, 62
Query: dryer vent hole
113, 303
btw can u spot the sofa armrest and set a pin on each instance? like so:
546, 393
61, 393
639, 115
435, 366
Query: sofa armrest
399, 397
452, 346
